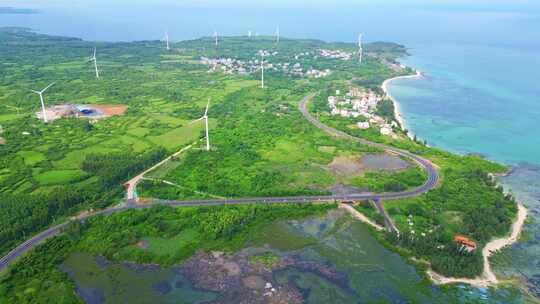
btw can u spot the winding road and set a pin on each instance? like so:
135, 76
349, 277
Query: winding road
431, 183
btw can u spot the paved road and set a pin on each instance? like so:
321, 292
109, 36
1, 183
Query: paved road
427, 165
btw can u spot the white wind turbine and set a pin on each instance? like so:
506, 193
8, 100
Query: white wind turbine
249, 34
277, 34
40, 93
262, 70
167, 39
94, 59
360, 50
216, 37
205, 117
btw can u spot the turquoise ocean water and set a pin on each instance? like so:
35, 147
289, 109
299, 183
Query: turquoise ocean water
483, 99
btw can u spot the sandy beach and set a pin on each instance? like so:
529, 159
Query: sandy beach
487, 278
397, 112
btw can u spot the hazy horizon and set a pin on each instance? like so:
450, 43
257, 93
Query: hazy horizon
492, 22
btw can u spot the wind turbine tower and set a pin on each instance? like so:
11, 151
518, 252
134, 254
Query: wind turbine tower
277, 34
40, 93
249, 34
167, 39
206, 124
360, 50
216, 37
262, 70
205, 117
94, 59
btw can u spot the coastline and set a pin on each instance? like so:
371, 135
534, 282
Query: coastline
488, 277
397, 112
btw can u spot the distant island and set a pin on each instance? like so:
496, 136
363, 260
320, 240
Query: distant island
6, 10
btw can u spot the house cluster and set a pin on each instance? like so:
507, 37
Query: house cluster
314, 73
236, 66
396, 67
336, 54
230, 65
357, 103
301, 55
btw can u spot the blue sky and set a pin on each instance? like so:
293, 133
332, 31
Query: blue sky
478, 4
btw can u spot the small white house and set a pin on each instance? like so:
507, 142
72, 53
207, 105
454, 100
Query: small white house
355, 114
363, 125
385, 130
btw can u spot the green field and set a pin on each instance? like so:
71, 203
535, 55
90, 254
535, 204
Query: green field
261, 145
59, 177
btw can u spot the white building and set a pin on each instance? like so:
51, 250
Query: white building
344, 113
363, 125
386, 130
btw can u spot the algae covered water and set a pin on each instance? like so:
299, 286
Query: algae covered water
331, 259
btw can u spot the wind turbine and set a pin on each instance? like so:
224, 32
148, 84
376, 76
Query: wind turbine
167, 39
360, 50
249, 34
277, 34
94, 59
40, 93
205, 117
262, 70
216, 37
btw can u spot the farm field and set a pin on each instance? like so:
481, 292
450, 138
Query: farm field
260, 145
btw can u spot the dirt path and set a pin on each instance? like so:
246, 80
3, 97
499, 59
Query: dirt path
488, 278
361, 217
131, 185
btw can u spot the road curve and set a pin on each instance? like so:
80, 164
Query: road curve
431, 183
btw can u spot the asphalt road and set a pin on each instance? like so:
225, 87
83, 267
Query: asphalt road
431, 183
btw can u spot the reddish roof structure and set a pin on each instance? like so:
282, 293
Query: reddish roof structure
465, 241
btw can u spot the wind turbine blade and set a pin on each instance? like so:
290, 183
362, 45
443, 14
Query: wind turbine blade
207, 106
196, 120
48, 87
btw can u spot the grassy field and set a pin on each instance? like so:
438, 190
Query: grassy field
261, 145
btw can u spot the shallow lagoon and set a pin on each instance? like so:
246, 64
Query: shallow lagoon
364, 270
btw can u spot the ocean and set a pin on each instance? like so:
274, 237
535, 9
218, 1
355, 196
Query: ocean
483, 99
481, 64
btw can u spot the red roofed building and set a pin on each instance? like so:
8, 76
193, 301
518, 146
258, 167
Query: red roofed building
465, 243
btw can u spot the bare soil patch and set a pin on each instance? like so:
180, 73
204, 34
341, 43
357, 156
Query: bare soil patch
383, 161
347, 166
110, 110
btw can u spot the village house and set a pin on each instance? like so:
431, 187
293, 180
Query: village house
363, 125
386, 130
465, 243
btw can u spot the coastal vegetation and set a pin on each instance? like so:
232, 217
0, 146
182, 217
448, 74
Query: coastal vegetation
261, 145
467, 202
118, 237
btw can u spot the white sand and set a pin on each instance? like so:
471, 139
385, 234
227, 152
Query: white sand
397, 112
487, 278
